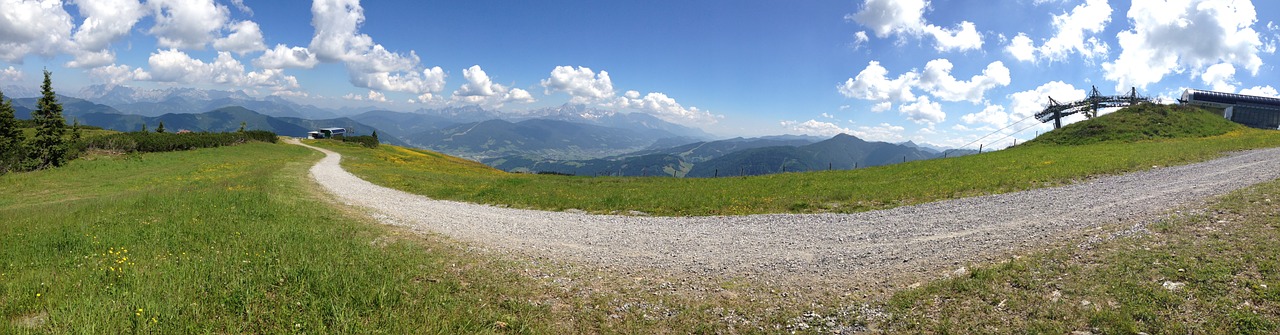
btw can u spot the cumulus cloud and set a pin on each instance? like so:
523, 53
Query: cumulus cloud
881, 132
1177, 36
815, 128
937, 80
40, 27
1026, 103
585, 86
872, 83
992, 115
187, 24
1262, 91
1220, 77
117, 74
923, 111
105, 22
906, 17
582, 84
283, 57
245, 37
481, 90
176, 66
10, 74
664, 107
1073, 33
373, 96
370, 65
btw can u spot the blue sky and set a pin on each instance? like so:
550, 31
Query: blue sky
941, 72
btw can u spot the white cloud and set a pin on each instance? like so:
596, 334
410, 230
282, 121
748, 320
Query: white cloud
923, 111
937, 80
1026, 103
187, 24
828, 116
666, 108
1073, 33
245, 37
240, 6
1262, 91
815, 128
40, 27
176, 66
873, 84
369, 64
906, 17
372, 96
1220, 77
282, 57
117, 74
105, 22
992, 114
1022, 48
883, 132
84, 59
481, 90
881, 106
10, 74
860, 38
1176, 36
582, 84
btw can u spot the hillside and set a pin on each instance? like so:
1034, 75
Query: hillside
545, 138
732, 157
1140, 123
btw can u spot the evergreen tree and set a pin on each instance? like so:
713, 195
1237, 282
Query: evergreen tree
242, 124
375, 135
160, 128
75, 130
11, 137
49, 148
144, 128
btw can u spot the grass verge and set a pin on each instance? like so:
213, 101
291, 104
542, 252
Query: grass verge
1201, 271
1019, 168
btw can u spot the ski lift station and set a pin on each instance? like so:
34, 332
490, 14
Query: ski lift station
1249, 110
326, 133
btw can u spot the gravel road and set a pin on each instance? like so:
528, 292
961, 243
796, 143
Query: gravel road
921, 237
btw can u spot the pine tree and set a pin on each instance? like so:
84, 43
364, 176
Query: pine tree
11, 137
75, 130
160, 128
242, 124
375, 135
49, 148
144, 128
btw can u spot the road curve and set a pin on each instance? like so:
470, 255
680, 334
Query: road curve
922, 236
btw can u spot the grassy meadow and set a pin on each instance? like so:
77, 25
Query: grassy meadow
227, 240
1056, 159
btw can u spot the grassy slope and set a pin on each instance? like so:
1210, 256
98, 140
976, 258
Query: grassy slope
1030, 166
1211, 271
227, 241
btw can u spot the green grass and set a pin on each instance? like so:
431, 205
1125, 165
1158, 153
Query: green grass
1220, 263
1139, 123
1019, 168
229, 240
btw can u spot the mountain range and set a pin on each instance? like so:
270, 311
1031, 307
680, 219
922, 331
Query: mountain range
568, 139
734, 157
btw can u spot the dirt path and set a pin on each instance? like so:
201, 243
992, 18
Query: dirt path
910, 238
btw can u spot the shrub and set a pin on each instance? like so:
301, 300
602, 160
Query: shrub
367, 141
161, 142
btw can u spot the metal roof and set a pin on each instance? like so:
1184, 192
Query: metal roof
1198, 96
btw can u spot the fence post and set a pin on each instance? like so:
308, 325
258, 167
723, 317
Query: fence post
904, 158
717, 174
855, 165
828, 166
979, 147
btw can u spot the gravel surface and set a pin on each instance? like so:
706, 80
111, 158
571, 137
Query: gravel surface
868, 244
